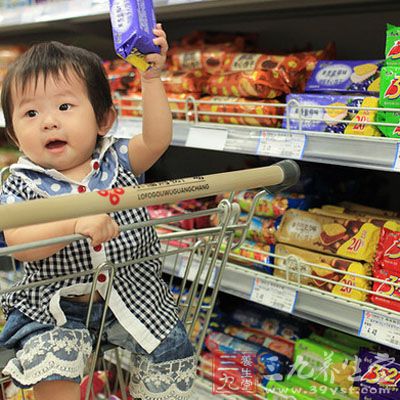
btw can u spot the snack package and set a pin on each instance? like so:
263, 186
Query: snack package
353, 342
379, 374
388, 251
268, 362
354, 208
257, 84
387, 289
264, 108
324, 364
345, 77
311, 263
253, 251
332, 113
389, 97
260, 229
276, 344
273, 390
346, 236
132, 25
122, 76
184, 81
392, 49
271, 205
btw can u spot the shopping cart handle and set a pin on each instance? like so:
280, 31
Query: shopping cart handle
280, 175
291, 175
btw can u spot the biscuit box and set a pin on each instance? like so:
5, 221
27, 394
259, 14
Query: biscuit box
379, 373
392, 45
345, 77
387, 288
388, 251
132, 25
324, 272
344, 235
331, 113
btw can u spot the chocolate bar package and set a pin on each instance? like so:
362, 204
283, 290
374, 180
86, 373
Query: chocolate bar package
388, 251
392, 45
392, 293
132, 24
331, 113
324, 272
344, 235
345, 77
379, 374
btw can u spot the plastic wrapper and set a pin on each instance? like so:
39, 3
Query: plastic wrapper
388, 251
255, 84
392, 48
346, 236
259, 110
389, 97
324, 364
278, 345
332, 113
345, 77
122, 76
354, 208
386, 289
379, 374
184, 82
268, 362
331, 269
261, 229
132, 25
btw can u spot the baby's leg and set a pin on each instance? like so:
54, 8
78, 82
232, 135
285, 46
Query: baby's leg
60, 390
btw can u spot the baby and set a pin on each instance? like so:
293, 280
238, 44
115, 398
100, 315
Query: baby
58, 109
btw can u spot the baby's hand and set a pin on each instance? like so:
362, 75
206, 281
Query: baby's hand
157, 61
100, 228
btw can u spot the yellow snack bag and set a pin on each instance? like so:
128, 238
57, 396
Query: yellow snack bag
359, 124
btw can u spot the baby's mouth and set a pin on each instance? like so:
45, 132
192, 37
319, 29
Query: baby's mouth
55, 145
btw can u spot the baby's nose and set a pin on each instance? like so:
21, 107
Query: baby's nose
50, 122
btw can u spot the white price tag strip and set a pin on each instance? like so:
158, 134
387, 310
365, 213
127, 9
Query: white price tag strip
396, 163
282, 144
380, 328
207, 138
273, 294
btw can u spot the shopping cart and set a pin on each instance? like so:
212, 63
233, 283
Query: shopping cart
193, 259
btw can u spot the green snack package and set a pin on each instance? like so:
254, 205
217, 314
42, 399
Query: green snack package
352, 351
392, 53
389, 97
324, 364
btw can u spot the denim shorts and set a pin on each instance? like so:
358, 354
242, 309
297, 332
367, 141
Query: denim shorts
48, 352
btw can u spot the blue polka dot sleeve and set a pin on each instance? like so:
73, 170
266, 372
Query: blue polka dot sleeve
121, 147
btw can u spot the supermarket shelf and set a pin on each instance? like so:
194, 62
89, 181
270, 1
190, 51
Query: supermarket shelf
311, 303
43, 14
376, 153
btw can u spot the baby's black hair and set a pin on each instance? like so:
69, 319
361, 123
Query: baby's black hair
57, 60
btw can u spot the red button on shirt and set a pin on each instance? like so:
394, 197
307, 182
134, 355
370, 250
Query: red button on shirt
96, 165
81, 189
97, 248
101, 278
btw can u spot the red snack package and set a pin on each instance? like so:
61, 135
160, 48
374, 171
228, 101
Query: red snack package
388, 251
259, 84
123, 77
184, 82
387, 289
240, 108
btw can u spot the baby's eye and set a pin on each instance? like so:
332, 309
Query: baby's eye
65, 107
31, 113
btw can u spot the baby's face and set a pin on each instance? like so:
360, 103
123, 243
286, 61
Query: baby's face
55, 124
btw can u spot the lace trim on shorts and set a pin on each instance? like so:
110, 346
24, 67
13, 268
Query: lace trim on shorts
169, 380
60, 351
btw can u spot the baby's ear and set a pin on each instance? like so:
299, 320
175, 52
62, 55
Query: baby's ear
108, 121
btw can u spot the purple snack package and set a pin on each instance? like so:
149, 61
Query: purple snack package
345, 77
132, 24
379, 375
322, 118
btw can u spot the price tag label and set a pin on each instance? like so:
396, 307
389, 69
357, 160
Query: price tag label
396, 163
380, 328
207, 138
273, 294
282, 144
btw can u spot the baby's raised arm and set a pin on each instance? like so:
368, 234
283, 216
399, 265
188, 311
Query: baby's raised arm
147, 148
99, 228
